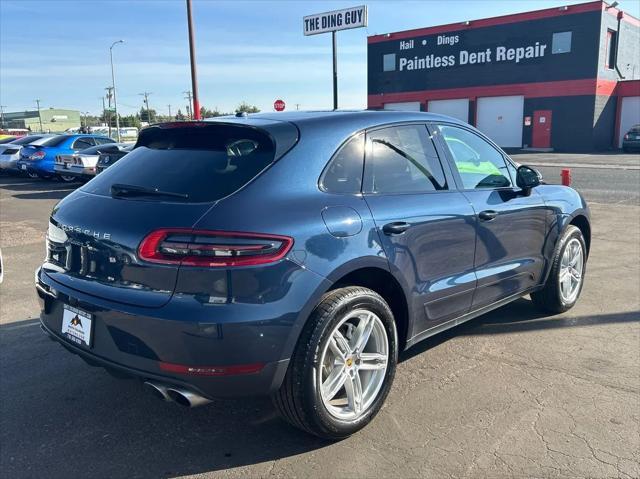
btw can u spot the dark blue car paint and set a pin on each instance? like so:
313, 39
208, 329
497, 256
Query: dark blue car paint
448, 265
46, 166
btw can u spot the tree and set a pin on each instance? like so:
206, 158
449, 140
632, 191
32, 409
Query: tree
244, 107
180, 116
151, 115
130, 120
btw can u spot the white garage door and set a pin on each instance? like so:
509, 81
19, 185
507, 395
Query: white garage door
500, 118
403, 106
629, 115
456, 108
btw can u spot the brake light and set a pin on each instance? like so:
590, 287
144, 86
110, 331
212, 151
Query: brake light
212, 248
38, 155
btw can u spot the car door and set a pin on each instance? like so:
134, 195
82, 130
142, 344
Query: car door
511, 224
426, 226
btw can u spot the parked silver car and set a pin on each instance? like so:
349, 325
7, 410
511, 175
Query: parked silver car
82, 164
10, 152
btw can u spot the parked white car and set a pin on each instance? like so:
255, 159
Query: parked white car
83, 163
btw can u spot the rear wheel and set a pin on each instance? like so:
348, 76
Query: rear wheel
343, 366
566, 278
68, 178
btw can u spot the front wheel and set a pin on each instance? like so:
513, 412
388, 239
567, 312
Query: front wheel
343, 366
32, 174
566, 278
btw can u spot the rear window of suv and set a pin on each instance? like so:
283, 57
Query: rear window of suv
203, 162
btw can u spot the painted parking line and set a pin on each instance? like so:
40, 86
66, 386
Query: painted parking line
19, 326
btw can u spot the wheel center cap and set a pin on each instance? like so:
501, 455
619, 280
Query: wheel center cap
349, 361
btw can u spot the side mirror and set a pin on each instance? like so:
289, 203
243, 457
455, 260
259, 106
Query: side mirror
527, 177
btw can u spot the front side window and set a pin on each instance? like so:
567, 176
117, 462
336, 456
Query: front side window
343, 174
402, 159
479, 164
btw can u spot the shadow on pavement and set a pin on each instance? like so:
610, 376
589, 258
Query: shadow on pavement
62, 418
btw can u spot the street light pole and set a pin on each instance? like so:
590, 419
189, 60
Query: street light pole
113, 84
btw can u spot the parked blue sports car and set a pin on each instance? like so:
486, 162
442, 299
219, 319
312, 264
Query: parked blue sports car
39, 160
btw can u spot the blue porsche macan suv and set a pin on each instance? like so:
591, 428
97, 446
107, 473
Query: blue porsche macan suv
295, 255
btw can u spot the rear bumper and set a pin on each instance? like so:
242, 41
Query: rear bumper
8, 163
141, 342
80, 172
631, 144
40, 167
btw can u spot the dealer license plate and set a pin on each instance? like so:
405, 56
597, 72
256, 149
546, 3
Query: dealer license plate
76, 326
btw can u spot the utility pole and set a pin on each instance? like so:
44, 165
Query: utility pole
188, 98
297, 106
2, 107
146, 102
113, 85
104, 116
39, 116
169, 111
109, 93
192, 55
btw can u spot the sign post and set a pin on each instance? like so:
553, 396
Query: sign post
355, 17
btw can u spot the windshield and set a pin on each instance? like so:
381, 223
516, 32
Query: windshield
26, 139
201, 163
55, 140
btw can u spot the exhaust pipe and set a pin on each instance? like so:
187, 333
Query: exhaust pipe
187, 398
158, 390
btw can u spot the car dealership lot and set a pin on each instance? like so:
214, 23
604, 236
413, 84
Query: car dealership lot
512, 393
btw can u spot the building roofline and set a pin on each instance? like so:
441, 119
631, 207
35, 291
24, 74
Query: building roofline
598, 5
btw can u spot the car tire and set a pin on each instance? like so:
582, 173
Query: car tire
33, 175
67, 178
566, 278
304, 398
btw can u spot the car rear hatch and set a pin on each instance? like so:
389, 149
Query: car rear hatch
167, 183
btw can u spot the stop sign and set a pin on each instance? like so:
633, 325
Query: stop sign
278, 105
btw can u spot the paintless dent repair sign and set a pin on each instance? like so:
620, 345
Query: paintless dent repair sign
354, 17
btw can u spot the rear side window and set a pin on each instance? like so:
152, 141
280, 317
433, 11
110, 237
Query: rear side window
343, 174
83, 143
205, 162
104, 141
402, 159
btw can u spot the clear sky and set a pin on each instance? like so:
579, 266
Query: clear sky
254, 51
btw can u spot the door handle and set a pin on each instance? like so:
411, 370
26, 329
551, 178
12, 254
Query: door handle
395, 228
488, 215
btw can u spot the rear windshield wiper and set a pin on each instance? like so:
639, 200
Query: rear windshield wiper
119, 189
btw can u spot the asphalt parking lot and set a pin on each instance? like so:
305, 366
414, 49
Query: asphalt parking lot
511, 394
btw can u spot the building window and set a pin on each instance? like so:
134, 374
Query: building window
610, 58
389, 62
561, 42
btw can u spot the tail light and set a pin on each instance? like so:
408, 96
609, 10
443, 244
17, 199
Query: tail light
212, 248
38, 155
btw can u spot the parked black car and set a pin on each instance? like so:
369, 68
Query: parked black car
108, 158
631, 140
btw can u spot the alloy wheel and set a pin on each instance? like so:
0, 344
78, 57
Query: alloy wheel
571, 269
353, 365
